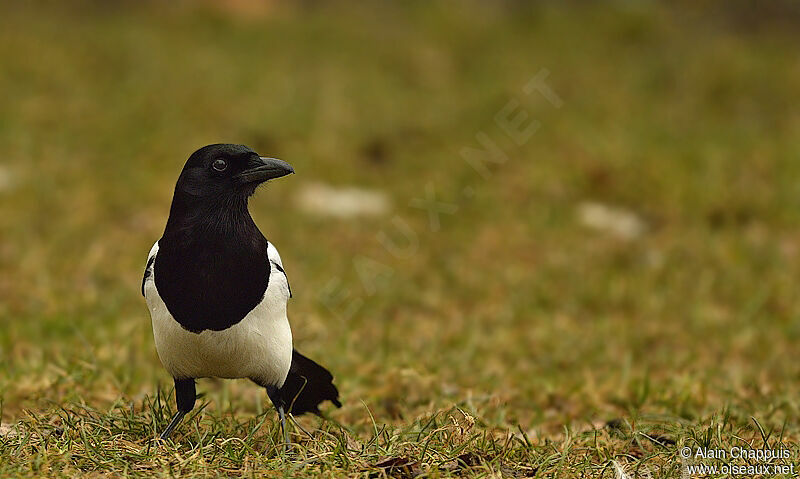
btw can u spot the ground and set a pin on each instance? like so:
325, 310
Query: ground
587, 260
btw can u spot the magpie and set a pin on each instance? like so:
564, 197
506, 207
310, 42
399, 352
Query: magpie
217, 290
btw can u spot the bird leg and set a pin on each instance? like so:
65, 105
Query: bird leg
176, 419
272, 392
185, 396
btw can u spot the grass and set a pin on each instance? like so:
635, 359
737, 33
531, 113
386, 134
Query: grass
509, 340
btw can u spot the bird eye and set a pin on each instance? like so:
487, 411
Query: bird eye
220, 165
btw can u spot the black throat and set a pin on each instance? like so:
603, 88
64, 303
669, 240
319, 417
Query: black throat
212, 267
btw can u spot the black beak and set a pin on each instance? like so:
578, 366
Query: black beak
262, 169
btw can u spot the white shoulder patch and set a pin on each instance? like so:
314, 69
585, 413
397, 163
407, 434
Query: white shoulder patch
153, 251
276, 266
273, 255
150, 267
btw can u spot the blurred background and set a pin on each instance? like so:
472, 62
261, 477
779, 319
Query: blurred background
546, 213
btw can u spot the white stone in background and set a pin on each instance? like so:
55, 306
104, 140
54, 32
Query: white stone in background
6, 179
618, 222
341, 202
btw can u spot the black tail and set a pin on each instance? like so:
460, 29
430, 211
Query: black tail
307, 386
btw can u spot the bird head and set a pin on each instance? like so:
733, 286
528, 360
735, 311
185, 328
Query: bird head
226, 171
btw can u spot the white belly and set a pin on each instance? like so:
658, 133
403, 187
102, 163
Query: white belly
259, 347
